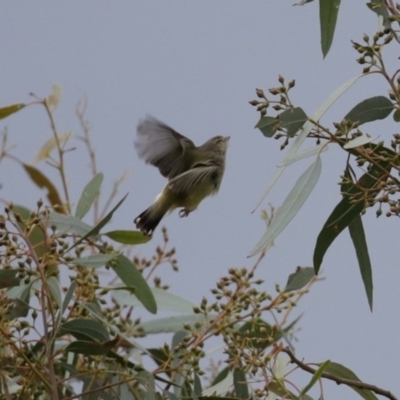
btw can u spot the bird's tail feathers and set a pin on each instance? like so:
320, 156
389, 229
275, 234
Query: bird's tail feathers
148, 220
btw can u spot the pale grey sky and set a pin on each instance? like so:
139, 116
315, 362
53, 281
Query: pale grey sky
195, 66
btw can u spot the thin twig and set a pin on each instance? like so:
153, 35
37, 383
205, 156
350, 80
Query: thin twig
60, 166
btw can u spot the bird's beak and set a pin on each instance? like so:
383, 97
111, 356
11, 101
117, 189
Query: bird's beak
227, 138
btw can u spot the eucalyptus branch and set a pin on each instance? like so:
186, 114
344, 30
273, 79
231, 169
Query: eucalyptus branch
102, 388
60, 166
33, 367
337, 379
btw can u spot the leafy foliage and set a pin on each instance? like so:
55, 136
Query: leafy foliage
69, 331
378, 184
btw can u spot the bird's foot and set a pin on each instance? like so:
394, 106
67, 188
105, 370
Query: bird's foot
184, 212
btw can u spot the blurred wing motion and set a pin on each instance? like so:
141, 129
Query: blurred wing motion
162, 146
203, 177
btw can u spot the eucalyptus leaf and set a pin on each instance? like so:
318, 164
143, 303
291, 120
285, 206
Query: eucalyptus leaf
8, 278
341, 371
240, 383
396, 115
88, 196
90, 348
291, 206
292, 120
95, 261
267, 125
68, 296
328, 12
175, 324
372, 109
85, 329
299, 279
315, 378
165, 300
67, 224
55, 290
128, 237
348, 209
293, 150
50, 145
96, 230
311, 151
8, 110
358, 141
357, 235
41, 180
220, 388
133, 279
37, 234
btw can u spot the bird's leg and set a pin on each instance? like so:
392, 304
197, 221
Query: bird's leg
184, 212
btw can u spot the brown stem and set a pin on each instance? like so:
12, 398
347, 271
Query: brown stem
340, 381
60, 166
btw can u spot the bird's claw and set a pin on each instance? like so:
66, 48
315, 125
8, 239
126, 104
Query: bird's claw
184, 212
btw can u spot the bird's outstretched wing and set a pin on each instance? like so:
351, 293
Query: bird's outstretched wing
160, 145
206, 176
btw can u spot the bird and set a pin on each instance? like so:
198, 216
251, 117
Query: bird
193, 173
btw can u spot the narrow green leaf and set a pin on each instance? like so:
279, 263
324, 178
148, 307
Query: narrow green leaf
221, 387
360, 244
302, 2
147, 380
85, 329
8, 110
40, 180
197, 388
341, 371
292, 120
96, 261
165, 300
328, 12
347, 209
240, 384
20, 296
132, 278
88, 196
372, 109
222, 374
68, 296
55, 290
299, 279
90, 348
311, 151
96, 230
8, 278
291, 205
175, 324
128, 237
358, 142
267, 125
316, 376
67, 223
279, 388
